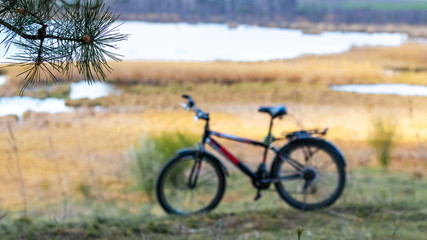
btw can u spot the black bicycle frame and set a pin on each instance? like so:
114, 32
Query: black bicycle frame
243, 167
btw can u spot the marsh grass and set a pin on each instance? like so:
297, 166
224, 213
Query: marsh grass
359, 65
151, 153
382, 140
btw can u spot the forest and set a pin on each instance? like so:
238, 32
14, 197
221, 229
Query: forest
276, 12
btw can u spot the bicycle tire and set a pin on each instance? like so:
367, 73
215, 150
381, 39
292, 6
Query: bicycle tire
291, 190
169, 188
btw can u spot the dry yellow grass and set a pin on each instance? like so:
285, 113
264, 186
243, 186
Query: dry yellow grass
90, 148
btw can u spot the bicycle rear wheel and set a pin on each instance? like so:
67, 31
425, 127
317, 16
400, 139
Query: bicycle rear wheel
318, 173
189, 184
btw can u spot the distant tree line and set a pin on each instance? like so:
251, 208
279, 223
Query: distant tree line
259, 12
338, 16
207, 9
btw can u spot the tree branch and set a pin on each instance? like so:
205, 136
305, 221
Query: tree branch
40, 21
36, 37
17, 30
64, 38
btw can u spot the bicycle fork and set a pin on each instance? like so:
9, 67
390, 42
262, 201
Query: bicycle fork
195, 170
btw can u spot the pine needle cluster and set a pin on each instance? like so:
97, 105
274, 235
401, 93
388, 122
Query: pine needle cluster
60, 35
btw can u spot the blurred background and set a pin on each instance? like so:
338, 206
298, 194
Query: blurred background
77, 152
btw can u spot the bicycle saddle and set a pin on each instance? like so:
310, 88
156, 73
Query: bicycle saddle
276, 111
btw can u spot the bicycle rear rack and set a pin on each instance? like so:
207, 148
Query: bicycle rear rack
317, 133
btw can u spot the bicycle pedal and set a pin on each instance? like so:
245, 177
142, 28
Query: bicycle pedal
258, 195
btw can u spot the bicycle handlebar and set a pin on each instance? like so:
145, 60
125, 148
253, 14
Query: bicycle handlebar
190, 105
189, 99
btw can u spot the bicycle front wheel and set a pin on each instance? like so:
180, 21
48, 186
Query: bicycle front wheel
190, 184
311, 173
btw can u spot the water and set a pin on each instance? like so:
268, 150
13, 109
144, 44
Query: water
210, 42
19, 105
396, 89
3, 80
95, 90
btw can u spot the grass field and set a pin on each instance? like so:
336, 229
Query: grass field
70, 174
376, 205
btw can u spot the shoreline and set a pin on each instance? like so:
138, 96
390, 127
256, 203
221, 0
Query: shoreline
413, 31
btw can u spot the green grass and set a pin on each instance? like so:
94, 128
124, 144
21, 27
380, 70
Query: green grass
61, 90
152, 152
375, 205
382, 140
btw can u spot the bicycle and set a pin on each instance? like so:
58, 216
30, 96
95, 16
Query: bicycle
308, 171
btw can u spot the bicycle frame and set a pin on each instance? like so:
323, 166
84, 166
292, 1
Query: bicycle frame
239, 164
261, 175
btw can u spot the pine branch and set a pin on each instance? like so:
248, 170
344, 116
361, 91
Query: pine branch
59, 36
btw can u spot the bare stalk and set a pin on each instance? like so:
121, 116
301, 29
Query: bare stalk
411, 117
15, 151
65, 201
89, 162
219, 229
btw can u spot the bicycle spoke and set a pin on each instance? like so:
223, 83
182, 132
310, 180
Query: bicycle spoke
306, 184
323, 167
295, 176
206, 184
208, 175
183, 202
322, 180
294, 163
305, 196
328, 193
322, 175
325, 186
308, 154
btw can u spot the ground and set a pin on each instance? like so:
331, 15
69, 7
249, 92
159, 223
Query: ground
69, 174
